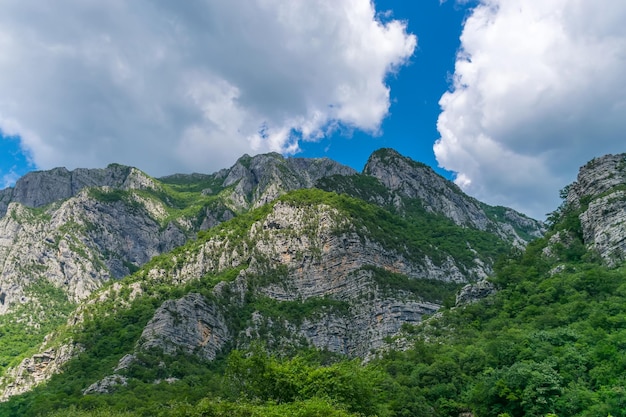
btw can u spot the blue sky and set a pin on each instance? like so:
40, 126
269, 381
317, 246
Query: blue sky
411, 127
508, 98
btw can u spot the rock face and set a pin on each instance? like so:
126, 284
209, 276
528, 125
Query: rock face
597, 177
76, 230
36, 369
600, 192
77, 245
189, 324
415, 180
474, 292
106, 385
40, 188
322, 257
260, 179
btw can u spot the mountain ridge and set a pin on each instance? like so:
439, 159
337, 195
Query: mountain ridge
291, 245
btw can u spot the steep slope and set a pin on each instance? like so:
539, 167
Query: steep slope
40, 188
278, 260
260, 179
312, 269
83, 241
413, 180
63, 234
599, 196
93, 224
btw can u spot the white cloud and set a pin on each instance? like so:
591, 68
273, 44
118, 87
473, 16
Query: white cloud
181, 86
538, 91
8, 179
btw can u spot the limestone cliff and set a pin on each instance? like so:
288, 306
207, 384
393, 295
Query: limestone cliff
314, 269
261, 179
40, 188
600, 194
414, 180
78, 244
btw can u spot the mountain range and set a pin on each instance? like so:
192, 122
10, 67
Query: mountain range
132, 278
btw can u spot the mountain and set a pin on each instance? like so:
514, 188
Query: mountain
599, 194
298, 253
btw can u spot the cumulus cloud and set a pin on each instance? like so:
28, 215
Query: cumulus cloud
538, 90
181, 86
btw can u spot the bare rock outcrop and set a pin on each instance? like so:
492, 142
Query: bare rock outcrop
77, 245
189, 324
415, 180
40, 188
474, 292
600, 192
321, 256
263, 178
36, 369
106, 385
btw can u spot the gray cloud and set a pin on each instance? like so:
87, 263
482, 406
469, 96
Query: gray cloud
181, 86
538, 91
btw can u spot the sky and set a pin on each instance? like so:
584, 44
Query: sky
508, 98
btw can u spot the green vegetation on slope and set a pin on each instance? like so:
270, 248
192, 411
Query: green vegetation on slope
446, 370
416, 234
19, 335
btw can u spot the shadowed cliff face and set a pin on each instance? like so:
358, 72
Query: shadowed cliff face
413, 180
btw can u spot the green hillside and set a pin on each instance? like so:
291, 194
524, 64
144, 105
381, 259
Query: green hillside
550, 342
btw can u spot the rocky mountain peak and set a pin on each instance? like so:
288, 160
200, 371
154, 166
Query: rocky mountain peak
262, 178
597, 177
599, 194
40, 188
415, 180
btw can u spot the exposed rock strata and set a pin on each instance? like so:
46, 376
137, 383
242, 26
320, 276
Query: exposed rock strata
294, 254
77, 245
261, 179
601, 187
415, 180
318, 262
597, 177
40, 188
189, 324
36, 369
474, 292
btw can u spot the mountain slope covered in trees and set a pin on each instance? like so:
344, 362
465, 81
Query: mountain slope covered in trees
273, 311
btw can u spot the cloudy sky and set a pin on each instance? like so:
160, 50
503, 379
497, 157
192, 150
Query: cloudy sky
506, 97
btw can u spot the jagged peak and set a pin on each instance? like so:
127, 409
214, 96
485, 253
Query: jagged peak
403, 174
390, 155
40, 188
262, 178
597, 177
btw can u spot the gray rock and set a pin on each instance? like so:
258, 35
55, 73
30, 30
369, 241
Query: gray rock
415, 180
263, 178
318, 262
601, 184
189, 324
41, 188
474, 292
78, 244
106, 385
36, 369
597, 177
